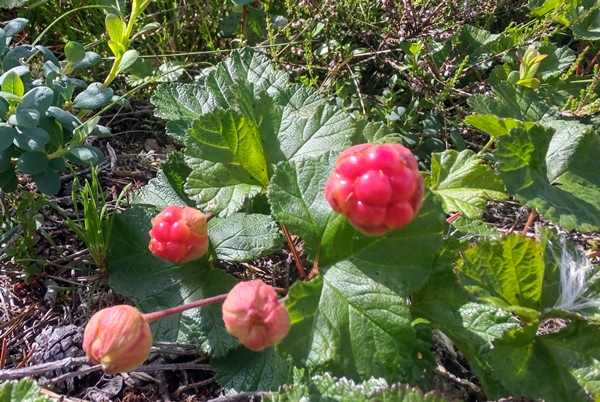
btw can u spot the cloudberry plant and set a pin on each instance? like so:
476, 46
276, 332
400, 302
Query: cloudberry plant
179, 234
377, 187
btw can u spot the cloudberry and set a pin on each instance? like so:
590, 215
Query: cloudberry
179, 234
377, 187
119, 338
253, 314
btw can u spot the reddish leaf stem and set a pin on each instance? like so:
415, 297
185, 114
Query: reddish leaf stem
532, 216
297, 259
157, 315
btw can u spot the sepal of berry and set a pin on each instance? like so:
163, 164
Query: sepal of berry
377, 187
118, 338
179, 234
253, 314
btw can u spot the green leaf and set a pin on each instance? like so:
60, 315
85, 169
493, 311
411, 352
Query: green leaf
463, 182
167, 187
39, 98
31, 138
85, 155
32, 162
493, 125
47, 182
401, 259
511, 269
352, 325
245, 119
155, 284
298, 200
93, 97
561, 366
12, 84
471, 326
243, 370
129, 57
510, 101
7, 135
554, 172
15, 26
324, 387
25, 118
244, 237
74, 51
90, 60
115, 27
25, 390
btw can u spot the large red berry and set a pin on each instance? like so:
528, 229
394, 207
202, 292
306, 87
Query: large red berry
179, 234
377, 187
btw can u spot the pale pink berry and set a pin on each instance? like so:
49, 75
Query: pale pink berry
119, 338
253, 314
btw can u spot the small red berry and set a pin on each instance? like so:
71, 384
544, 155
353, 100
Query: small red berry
179, 234
377, 187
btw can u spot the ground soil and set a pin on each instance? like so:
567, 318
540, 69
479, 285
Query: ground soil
39, 325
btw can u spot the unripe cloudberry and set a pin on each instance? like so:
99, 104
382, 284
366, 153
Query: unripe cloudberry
179, 234
377, 187
119, 338
253, 314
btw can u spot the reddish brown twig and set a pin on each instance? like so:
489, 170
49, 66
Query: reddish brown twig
532, 216
297, 259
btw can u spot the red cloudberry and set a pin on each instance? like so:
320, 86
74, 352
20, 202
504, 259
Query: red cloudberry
179, 234
377, 187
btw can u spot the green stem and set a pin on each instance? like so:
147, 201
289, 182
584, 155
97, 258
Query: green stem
157, 315
486, 146
61, 17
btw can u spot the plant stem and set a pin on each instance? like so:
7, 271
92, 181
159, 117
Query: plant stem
486, 146
532, 216
297, 259
244, 21
157, 315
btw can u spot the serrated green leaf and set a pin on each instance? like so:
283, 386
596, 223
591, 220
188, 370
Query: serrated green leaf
511, 269
327, 388
471, 326
12, 84
247, 118
555, 173
243, 370
561, 366
510, 101
493, 125
463, 182
25, 390
297, 198
401, 259
244, 237
351, 325
155, 284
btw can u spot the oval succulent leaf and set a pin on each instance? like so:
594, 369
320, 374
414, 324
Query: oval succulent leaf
33, 162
